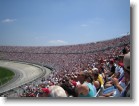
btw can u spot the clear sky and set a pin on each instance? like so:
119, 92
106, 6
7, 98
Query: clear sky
62, 22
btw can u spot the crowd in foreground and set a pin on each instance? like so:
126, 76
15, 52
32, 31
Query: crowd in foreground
103, 73
109, 79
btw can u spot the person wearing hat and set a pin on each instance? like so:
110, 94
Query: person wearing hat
44, 92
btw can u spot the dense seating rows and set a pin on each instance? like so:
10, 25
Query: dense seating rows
67, 61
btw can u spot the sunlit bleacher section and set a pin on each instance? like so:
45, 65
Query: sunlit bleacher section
68, 63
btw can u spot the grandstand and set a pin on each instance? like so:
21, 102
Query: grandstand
67, 60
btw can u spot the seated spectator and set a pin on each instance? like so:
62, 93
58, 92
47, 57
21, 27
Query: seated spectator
97, 85
44, 92
70, 91
119, 74
113, 91
112, 67
98, 77
102, 70
57, 91
86, 89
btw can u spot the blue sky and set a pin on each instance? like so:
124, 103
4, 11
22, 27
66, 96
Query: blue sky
62, 22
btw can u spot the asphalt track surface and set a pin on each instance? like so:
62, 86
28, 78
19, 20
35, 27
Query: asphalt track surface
24, 73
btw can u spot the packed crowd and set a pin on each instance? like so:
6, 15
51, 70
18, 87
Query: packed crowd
89, 70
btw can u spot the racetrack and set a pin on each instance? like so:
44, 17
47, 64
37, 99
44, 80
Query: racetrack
24, 73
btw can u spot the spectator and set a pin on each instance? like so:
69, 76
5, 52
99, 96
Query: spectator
44, 92
57, 91
126, 91
98, 78
86, 89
